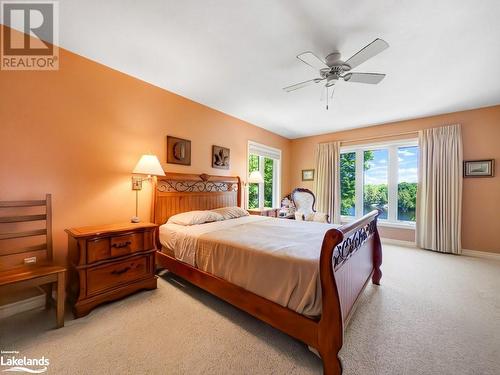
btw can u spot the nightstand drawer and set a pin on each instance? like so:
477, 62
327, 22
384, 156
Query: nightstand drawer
126, 244
112, 275
110, 247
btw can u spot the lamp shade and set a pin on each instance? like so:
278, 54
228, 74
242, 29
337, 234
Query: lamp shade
150, 165
255, 178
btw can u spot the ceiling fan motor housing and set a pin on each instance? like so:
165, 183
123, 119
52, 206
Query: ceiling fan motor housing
332, 58
335, 71
336, 68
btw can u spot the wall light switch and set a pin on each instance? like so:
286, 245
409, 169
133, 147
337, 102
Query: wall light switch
30, 260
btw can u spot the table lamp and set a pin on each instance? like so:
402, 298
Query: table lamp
148, 165
255, 178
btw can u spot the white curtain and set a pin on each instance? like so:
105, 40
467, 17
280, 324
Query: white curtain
327, 182
439, 197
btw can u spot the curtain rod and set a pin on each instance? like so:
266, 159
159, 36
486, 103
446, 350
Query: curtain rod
377, 137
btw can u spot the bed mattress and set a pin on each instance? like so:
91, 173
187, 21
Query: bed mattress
277, 259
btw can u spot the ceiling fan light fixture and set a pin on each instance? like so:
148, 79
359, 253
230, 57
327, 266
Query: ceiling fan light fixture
330, 80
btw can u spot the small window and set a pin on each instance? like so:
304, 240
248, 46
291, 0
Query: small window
253, 189
267, 161
268, 182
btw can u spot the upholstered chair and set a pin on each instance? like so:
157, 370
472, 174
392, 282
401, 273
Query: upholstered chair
304, 201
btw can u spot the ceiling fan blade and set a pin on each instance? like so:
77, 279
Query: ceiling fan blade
302, 84
312, 60
372, 78
372, 49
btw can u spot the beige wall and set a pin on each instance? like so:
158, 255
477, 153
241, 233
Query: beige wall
78, 133
481, 196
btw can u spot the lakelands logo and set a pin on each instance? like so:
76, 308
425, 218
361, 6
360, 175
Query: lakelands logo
16, 363
30, 38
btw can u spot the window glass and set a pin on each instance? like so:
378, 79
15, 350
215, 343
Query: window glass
268, 182
348, 184
253, 189
375, 178
407, 182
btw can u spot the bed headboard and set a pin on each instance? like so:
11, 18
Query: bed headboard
179, 192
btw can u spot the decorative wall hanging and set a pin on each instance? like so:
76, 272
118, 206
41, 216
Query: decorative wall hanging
479, 168
220, 157
307, 174
178, 151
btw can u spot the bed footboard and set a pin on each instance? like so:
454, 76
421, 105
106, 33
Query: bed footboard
350, 256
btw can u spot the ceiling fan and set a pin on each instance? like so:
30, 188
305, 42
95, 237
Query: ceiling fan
333, 68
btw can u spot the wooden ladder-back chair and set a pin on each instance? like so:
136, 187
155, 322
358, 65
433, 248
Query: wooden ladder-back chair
24, 264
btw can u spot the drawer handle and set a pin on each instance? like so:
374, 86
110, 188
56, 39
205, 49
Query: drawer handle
119, 272
119, 245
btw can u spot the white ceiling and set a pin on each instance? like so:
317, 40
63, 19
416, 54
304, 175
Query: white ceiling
236, 56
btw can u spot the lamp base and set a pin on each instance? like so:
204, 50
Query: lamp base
135, 219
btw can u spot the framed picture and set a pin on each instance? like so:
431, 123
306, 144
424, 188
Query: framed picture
479, 168
220, 157
178, 151
307, 174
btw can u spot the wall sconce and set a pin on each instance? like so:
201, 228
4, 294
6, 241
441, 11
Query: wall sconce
148, 165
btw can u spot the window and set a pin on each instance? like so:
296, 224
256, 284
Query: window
380, 176
407, 182
376, 181
348, 184
253, 189
266, 160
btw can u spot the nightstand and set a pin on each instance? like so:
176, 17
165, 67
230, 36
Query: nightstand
109, 262
271, 212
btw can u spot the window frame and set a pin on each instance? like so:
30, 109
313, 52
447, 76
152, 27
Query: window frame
392, 179
264, 151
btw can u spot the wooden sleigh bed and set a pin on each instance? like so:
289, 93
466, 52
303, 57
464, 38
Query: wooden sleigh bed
350, 256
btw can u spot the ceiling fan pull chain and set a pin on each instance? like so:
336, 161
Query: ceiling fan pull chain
327, 98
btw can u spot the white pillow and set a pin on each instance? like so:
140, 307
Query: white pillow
195, 217
231, 212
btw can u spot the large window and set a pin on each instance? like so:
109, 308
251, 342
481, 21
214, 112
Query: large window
266, 160
380, 176
348, 184
407, 182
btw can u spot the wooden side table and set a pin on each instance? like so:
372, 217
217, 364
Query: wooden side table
271, 212
109, 262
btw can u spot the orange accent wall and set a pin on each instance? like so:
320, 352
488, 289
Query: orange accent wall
78, 133
481, 196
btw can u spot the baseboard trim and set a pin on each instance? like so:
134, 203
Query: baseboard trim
465, 252
480, 254
390, 241
26, 304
